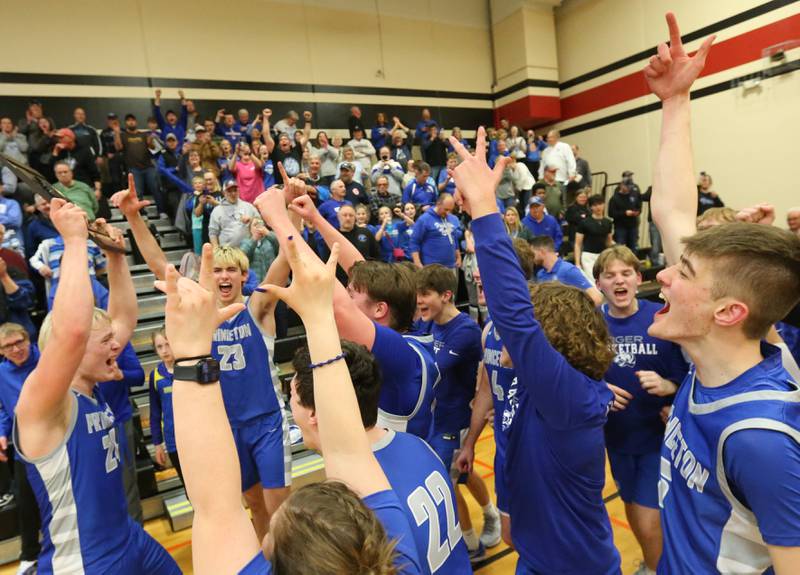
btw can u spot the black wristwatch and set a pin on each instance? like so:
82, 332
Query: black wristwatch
202, 369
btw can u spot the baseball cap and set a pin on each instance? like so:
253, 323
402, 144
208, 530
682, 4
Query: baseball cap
171, 136
551, 167
230, 184
535, 201
347, 166
199, 128
111, 115
627, 174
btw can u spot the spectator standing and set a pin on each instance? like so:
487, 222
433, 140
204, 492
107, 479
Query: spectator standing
11, 219
230, 221
422, 131
517, 146
541, 224
243, 124
390, 169
434, 151
656, 254
387, 234
363, 151
261, 248
204, 199
399, 149
575, 214
706, 196
624, 208
170, 123
360, 236
559, 155
315, 186
247, 170
13, 143
112, 166
287, 125
355, 121
329, 209
76, 191
40, 148
328, 155
39, 227
593, 235
421, 191
533, 157
207, 149
285, 152
522, 180
514, 227
456, 133
554, 197
354, 191
381, 132
29, 125
169, 161
224, 127
445, 182
583, 177
436, 236
86, 136
407, 213
135, 148
793, 221
81, 160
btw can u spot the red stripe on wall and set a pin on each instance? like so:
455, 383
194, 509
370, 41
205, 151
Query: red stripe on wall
529, 111
727, 54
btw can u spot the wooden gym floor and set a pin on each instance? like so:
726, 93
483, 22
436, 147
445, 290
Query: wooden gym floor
500, 560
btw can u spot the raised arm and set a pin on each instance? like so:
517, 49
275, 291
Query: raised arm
266, 114
122, 303
670, 75
202, 431
130, 206
44, 404
347, 452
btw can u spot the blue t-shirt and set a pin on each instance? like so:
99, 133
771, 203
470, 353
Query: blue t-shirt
404, 233
161, 414
423, 489
248, 377
450, 188
566, 273
730, 472
409, 375
389, 241
555, 456
436, 239
638, 429
329, 210
12, 377
268, 171
457, 345
420, 194
549, 226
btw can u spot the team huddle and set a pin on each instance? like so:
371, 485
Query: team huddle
695, 411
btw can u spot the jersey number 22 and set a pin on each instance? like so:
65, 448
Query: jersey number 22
424, 502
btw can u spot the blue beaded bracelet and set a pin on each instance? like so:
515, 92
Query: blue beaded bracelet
326, 362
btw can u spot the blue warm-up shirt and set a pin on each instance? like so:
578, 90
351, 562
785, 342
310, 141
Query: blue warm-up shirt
12, 377
458, 351
549, 226
329, 210
638, 429
555, 456
420, 194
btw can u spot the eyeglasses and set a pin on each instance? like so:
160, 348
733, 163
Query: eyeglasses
20, 343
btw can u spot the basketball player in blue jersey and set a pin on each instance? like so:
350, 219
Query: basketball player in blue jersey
352, 523
730, 462
643, 377
417, 476
64, 430
162, 421
497, 382
378, 313
457, 345
244, 346
555, 455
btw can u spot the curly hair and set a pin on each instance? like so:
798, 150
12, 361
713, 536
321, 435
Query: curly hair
573, 326
325, 529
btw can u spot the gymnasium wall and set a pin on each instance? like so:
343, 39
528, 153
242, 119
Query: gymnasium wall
744, 131
380, 54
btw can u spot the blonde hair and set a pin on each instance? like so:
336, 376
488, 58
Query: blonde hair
98, 316
10, 328
715, 217
227, 255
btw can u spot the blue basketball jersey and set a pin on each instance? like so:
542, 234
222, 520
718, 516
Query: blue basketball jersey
707, 527
501, 381
248, 376
409, 377
457, 345
162, 420
422, 485
79, 490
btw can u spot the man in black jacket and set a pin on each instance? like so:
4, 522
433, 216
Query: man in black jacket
624, 208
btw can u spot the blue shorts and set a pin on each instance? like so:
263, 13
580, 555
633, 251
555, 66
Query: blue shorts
446, 446
265, 454
258, 566
500, 486
636, 477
